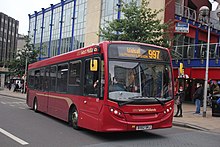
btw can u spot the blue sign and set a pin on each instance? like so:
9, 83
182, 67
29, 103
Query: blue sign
182, 27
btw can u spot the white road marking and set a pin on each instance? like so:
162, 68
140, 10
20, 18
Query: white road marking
22, 142
17, 102
14, 98
13, 102
3, 103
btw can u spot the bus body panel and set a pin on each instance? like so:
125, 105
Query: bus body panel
30, 97
141, 113
89, 112
112, 123
42, 99
58, 105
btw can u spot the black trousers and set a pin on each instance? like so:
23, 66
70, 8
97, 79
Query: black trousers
179, 110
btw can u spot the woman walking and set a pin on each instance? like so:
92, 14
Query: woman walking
179, 101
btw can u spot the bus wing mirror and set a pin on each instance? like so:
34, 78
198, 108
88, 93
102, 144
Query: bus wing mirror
93, 65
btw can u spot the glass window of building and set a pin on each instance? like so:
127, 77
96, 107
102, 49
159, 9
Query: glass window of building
110, 11
184, 45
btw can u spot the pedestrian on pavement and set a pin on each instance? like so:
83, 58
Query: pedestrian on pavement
179, 101
198, 97
216, 89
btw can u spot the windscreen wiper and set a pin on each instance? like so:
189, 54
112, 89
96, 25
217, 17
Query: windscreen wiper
139, 98
161, 102
132, 99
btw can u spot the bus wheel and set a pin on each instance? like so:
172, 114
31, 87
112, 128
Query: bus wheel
74, 118
35, 106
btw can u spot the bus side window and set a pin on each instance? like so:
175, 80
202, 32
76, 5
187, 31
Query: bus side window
42, 76
53, 73
74, 77
31, 79
37, 80
91, 78
46, 79
62, 73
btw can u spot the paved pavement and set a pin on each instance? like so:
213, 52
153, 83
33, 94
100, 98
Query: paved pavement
197, 121
190, 120
10, 93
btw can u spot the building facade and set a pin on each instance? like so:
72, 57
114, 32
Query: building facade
8, 43
70, 24
8, 38
20, 42
192, 45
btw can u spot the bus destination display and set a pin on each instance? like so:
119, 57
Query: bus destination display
137, 52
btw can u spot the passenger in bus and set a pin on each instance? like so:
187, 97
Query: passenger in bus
131, 82
95, 85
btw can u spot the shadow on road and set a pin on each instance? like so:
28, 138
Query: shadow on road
120, 136
109, 136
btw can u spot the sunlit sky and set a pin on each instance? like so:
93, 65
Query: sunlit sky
19, 9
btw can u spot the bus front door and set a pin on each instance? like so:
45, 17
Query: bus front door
90, 110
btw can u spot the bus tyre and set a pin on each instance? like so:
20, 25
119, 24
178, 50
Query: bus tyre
35, 106
74, 118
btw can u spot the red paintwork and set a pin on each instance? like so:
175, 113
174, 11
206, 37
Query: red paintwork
95, 113
199, 73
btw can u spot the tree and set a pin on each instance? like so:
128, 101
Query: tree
139, 24
28, 53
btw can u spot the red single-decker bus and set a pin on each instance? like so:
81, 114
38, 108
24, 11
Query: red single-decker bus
111, 86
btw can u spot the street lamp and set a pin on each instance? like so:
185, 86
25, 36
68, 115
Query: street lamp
26, 68
204, 14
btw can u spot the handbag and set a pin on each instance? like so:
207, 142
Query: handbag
177, 101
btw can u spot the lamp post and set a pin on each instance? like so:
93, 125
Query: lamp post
25, 73
204, 13
26, 68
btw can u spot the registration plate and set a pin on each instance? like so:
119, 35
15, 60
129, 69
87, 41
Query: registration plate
145, 127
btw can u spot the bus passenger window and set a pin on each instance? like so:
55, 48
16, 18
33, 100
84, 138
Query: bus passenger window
91, 77
53, 72
37, 80
31, 79
41, 86
74, 78
46, 79
62, 77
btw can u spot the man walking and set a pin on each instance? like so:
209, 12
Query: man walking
198, 97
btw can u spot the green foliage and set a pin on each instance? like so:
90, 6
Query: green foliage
139, 24
17, 66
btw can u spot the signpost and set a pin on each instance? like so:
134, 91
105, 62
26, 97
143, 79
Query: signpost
182, 27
